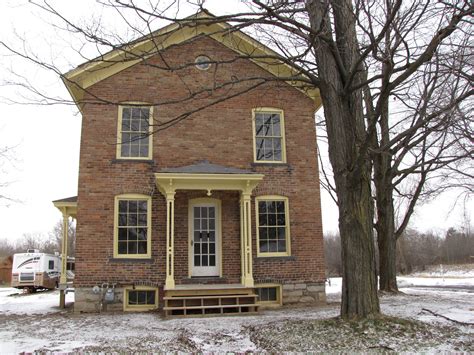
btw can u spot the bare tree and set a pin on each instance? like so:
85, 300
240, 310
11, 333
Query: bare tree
433, 109
7, 160
56, 235
337, 46
332, 254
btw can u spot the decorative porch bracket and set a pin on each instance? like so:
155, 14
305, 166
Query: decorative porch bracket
169, 183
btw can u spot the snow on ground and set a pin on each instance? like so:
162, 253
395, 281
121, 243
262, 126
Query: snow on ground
460, 270
35, 323
14, 301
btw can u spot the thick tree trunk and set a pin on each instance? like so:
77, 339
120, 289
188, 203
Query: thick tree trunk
359, 286
346, 131
383, 177
386, 240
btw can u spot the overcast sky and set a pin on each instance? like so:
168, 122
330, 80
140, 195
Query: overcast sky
46, 138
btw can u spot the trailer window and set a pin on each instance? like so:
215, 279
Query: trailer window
51, 264
70, 266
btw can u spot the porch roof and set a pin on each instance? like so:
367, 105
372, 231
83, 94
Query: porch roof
67, 205
206, 176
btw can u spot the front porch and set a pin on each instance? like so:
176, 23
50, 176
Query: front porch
218, 224
207, 229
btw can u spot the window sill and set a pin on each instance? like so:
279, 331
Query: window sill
127, 160
270, 164
131, 260
276, 257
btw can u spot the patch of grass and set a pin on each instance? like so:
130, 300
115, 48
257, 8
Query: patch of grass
381, 334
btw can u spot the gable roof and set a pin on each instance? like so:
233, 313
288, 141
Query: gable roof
96, 70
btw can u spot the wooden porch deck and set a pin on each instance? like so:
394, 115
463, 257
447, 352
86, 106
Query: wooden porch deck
204, 300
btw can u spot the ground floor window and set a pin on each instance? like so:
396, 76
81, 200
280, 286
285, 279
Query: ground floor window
269, 294
140, 298
273, 228
132, 232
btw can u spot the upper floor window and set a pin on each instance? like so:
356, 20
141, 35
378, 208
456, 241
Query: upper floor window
132, 234
269, 135
134, 132
273, 226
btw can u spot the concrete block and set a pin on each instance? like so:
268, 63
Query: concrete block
318, 288
298, 293
307, 299
288, 300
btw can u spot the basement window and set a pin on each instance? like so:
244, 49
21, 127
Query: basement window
269, 294
140, 298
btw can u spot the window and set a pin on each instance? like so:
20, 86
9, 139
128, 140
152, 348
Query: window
132, 226
269, 136
140, 298
134, 132
268, 294
70, 266
51, 264
273, 226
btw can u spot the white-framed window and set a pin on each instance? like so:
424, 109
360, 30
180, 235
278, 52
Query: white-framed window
132, 226
134, 136
269, 135
273, 226
140, 298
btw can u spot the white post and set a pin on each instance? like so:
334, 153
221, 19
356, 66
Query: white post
63, 276
246, 236
169, 283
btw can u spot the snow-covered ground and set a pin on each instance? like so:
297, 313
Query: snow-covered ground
13, 301
35, 323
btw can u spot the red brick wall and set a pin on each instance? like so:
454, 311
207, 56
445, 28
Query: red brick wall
221, 134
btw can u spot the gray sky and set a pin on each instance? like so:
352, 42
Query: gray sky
46, 138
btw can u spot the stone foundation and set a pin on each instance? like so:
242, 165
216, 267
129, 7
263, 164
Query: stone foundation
87, 301
304, 293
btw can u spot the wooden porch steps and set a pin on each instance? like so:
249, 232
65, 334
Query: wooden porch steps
212, 301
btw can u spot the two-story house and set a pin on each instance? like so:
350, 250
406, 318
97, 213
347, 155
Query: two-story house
198, 179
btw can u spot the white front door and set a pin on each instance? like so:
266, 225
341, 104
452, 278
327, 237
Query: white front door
205, 240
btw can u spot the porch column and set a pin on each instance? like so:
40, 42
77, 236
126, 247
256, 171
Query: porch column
169, 283
246, 236
63, 276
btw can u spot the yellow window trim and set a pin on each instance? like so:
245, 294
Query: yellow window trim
198, 201
282, 130
116, 208
139, 308
278, 302
119, 130
287, 229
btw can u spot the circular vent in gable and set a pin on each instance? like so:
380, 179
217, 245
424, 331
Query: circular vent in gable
202, 62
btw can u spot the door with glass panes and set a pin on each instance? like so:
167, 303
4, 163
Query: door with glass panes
204, 240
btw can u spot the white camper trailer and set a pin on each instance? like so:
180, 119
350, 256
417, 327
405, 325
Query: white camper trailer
35, 270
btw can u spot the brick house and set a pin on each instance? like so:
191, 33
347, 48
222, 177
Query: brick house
196, 203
